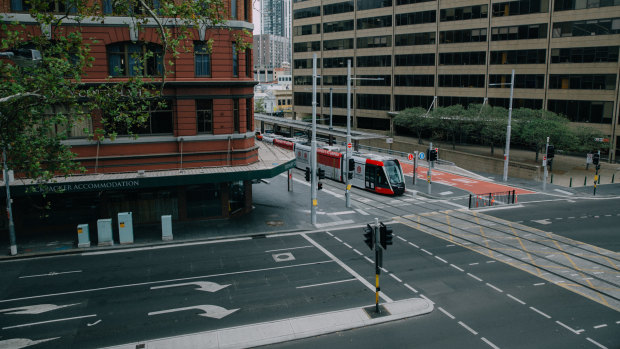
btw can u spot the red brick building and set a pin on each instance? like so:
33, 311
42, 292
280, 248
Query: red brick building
195, 158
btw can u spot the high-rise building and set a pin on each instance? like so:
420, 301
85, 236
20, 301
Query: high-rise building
564, 52
272, 51
275, 17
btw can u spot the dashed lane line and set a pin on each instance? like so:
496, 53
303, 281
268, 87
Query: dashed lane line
411, 288
568, 328
425, 251
347, 245
596, 343
369, 260
468, 328
414, 245
401, 239
358, 252
600, 326
457, 268
516, 299
474, 276
495, 288
441, 259
445, 312
540, 312
395, 277
489, 343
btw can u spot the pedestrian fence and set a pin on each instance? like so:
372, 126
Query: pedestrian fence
492, 199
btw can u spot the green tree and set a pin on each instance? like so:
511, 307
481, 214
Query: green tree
493, 122
43, 100
534, 126
449, 121
259, 106
414, 120
587, 139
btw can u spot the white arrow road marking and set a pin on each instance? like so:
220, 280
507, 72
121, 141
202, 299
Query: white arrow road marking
94, 323
212, 311
542, 221
16, 343
35, 309
51, 273
207, 286
49, 321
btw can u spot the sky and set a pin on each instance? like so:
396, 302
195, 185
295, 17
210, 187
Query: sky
256, 16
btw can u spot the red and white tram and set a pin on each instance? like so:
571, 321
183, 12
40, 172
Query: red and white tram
376, 173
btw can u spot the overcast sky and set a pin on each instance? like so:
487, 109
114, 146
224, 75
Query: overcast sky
256, 16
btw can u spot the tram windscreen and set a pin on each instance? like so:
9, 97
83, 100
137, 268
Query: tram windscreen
393, 171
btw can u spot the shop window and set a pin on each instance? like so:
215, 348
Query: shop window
236, 196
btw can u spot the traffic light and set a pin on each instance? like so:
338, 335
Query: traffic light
596, 158
550, 152
432, 154
385, 235
321, 173
369, 236
307, 174
320, 186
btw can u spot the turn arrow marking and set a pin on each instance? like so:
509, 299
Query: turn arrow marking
35, 309
16, 343
212, 311
202, 286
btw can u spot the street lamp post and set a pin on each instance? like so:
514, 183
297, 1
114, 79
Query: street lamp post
313, 168
507, 151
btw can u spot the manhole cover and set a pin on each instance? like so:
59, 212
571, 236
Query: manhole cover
274, 223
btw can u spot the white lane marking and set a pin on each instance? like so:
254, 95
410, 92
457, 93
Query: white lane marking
34, 309
362, 212
542, 221
473, 263
340, 213
450, 245
290, 248
540, 312
474, 276
425, 251
395, 277
454, 204
423, 296
563, 192
165, 281
347, 268
596, 343
208, 310
94, 323
468, 328
457, 268
490, 261
443, 193
571, 217
411, 288
49, 321
347, 245
493, 287
539, 284
159, 247
358, 252
600, 326
401, 238
206, 286
22, 342
567, 327
495, 208
337, 238
441, 259
369, 260
414, 245
384, 270
327, 283
331, 224
516, 299
51, 273
330, 234
489, 343
445, 312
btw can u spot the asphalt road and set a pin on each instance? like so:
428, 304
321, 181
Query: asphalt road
465, 262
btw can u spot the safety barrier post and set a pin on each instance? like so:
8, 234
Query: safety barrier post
470, 201
552, 178
570, 183
612, 178
584, 180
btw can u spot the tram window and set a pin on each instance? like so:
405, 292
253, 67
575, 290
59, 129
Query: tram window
381, 179
393, 172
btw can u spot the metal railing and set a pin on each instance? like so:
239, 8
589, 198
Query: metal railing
492, 199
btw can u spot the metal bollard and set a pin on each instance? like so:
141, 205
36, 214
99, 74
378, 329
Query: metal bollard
599, 179
612, 178
570, 183
584, 180
552, 178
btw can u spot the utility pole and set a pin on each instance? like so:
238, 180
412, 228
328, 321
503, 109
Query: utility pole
545, 166
378, 262
507, 153
347, 192
313, 182
9, 210
331, 103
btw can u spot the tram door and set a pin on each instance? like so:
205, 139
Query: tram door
371, 176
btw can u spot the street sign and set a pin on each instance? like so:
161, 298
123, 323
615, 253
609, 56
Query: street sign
349, 145
410, 157
421, 156
389, 140
589, 158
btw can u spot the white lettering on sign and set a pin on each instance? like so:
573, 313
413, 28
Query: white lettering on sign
88, 186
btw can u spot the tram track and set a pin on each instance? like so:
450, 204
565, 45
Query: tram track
581, 268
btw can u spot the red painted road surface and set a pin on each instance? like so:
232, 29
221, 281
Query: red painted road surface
474, 186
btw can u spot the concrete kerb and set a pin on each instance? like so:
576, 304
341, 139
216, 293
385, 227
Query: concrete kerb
272, 332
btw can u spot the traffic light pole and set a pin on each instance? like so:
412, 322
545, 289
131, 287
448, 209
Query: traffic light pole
347, 192
377, 267
9, 210
429, 174
597, 167
313, 182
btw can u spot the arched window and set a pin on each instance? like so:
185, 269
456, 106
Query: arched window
133, 59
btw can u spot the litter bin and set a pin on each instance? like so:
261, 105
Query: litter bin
125, 228
104, 232
166, 227
83, 235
